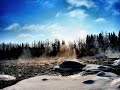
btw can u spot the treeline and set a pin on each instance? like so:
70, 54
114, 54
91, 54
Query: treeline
94, 44
101, 43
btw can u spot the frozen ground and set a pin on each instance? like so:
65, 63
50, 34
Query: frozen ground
24, 69
74, 82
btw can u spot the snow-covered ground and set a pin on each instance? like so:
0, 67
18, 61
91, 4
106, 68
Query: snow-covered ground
74, 82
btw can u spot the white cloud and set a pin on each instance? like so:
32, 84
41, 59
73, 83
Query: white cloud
79, 3
69, 7
35, 27
55, 26
48, 27
57, 34
77, 13
12, 26
54, 30
71, 33
58, 14
100, 20
22, 35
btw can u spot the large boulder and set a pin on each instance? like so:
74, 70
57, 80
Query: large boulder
69, 66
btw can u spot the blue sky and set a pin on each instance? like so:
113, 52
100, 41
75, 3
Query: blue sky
29, 20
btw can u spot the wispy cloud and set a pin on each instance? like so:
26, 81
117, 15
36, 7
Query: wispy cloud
48, 4
34, 27
54, 30
100, 20
12, 26
42, 3
79, 3
77, 13
57, 14
57, 34
23, 35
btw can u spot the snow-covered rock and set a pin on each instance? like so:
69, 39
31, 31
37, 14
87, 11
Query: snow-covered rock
6, 77
116, 63
106, 74
6, 80
94, 67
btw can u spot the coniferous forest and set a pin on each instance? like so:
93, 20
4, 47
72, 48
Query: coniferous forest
93, 44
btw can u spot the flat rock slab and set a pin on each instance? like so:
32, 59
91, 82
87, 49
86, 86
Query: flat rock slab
74, 82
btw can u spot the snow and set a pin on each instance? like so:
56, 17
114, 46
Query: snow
74, 82
116, 83
116, 63
6, 77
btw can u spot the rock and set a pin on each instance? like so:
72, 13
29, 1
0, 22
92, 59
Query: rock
89, 82
105, 68
94, 67
106, 74
101, 73
44, 79
116, 63
100, 56
68, 66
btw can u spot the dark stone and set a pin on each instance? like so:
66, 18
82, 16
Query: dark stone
44, 79
70, 66
88, 82
119, 86
101, 74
